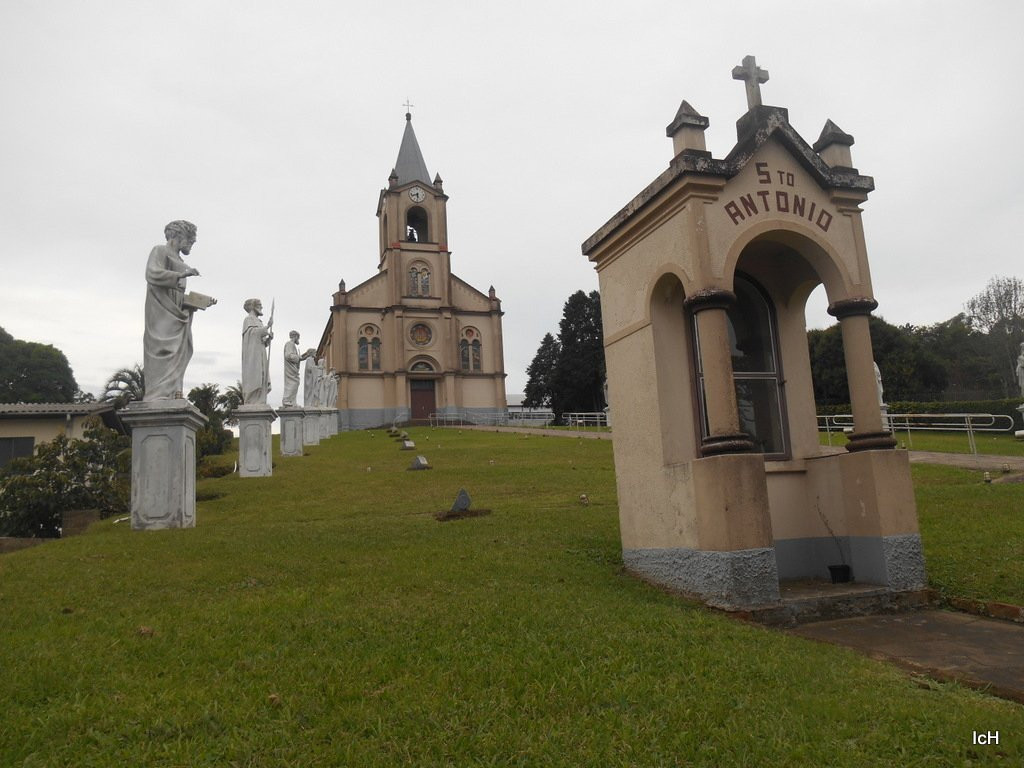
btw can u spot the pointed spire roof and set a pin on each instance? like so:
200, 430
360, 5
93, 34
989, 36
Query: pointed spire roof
410, 165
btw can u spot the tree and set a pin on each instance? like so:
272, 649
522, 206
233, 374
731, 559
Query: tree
65, 474
577, 382
966, 355
212, 438
998, 311
540, 373
910, 370
33, 373
229, 401
124, 386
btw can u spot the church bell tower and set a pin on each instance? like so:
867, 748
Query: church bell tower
413, 225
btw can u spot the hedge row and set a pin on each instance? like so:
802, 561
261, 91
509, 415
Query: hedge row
1006, 407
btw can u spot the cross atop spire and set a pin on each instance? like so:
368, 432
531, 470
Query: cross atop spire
753, 76
408, 108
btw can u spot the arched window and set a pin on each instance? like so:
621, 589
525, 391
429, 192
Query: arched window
419, 280
375, 354
416, 225
753, 342
470, 350
364, 356
369, 348
422, 367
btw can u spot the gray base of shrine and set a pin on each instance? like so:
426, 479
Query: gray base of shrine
254, 454
291, 431
732, 580
163, 463
895, 562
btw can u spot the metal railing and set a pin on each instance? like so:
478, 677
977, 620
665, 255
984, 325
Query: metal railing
585, 419
475, 418
969, 423
580, 420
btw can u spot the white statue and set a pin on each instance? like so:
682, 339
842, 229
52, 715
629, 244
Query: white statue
309, 383
331, 399
1020, 369
878, 383
167, 341
292, 359
256, 337
320, 385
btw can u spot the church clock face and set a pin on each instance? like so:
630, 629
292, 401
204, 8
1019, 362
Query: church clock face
417, 195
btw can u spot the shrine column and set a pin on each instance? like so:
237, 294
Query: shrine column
709, 309
868, 430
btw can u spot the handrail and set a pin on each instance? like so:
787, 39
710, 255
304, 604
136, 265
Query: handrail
970, 423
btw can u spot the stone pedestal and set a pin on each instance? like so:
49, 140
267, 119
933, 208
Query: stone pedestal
325, 423
254, 454
163, 463
333, 424
311, 426
291, 430
1019, 434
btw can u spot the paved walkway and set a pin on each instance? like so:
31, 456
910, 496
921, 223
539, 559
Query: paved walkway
987, 654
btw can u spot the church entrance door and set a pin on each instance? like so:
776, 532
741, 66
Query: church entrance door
422, 400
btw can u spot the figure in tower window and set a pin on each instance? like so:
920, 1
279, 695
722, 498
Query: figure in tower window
410, 234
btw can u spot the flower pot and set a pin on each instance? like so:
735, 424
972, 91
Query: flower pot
840, 573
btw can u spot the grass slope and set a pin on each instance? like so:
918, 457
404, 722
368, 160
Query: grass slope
972, 532
322, 617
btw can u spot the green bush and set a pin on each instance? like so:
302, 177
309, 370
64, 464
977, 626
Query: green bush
65, 474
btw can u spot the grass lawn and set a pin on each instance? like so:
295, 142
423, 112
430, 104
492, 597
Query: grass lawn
990, 444
322, 617
973, 533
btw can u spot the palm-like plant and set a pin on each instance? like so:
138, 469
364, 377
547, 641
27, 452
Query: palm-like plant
206, 398
229, 401
124, 386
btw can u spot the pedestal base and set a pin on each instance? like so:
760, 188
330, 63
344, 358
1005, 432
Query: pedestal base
325, 423
254, 454
311, 427
291, 430
163, 463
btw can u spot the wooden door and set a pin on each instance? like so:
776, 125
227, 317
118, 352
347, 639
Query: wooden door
422, 400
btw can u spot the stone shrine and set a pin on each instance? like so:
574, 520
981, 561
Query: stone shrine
724, 489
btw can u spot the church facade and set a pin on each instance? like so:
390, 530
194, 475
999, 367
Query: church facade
414, 340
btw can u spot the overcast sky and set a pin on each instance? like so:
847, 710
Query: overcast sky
273, 126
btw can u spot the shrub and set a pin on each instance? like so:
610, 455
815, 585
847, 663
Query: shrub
91, 473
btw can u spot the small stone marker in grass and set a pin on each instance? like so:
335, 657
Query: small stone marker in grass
420, 462
408, 445
461, 509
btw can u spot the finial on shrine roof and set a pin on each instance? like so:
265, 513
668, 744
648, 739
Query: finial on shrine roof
687, 129
833, 146
753, 76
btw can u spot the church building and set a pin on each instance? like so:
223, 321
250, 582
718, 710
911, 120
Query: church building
414, 340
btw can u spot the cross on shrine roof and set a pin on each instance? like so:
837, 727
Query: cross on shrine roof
753, 76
